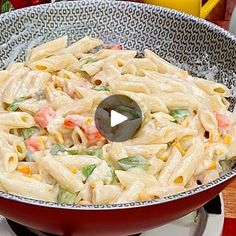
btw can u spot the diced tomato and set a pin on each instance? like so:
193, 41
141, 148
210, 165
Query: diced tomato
87, 126
223, 121
74, 121
92, 135
115, 46
43, 116
34, 144
69, 124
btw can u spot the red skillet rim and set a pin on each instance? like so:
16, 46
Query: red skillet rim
167, 199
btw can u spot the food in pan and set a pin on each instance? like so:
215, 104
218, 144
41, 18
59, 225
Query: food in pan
51, 149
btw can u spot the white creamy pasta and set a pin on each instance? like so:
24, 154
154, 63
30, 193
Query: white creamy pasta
51, 149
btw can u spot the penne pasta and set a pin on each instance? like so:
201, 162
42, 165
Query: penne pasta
52, 147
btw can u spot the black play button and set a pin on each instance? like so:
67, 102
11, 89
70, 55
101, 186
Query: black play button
118, 118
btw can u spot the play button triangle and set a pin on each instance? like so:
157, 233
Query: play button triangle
117, 118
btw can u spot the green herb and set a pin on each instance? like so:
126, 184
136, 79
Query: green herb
90, 60
73, 151
128, 112
131, 162
57, 148
40, 95
88, 170
101, 88
93, 151
28, 132
65, 196
179, 114
15, 105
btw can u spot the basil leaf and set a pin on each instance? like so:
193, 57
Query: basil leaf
28, 132
131, 162
57, 148
88, 170
14, 106
65, 196
128, 112
101, 88
179, 114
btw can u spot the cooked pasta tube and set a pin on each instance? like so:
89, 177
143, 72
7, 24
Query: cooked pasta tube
47, 49
188, 165
131, 194
27, 187
53, 63
170, 167
83, 45
9, 159
16, 120
56, 169
105, 193
158, 192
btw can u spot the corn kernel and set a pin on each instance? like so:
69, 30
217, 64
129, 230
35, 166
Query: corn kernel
58, 137
74, 169
179, 180
144, 197
24, 169
212, 166
227, 139
163, 158
89, 120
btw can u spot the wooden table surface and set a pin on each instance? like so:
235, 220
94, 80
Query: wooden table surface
230, 200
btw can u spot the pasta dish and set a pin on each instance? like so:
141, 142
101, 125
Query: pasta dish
51, 149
